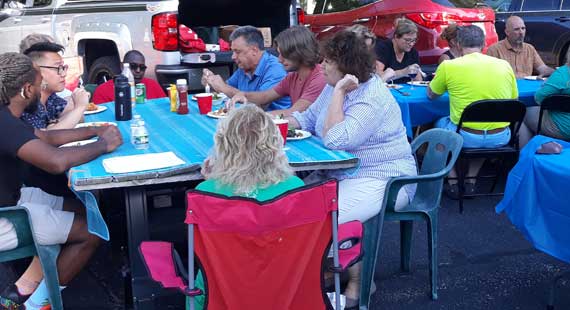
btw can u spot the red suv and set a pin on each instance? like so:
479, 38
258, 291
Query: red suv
431, 16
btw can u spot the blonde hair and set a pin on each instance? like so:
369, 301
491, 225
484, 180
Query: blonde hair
404, 26
248, 151
34, 38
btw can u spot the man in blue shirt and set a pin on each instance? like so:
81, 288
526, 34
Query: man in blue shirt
258, 70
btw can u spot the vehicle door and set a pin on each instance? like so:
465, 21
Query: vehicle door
11, 24
504, 9
544, 25
331, 16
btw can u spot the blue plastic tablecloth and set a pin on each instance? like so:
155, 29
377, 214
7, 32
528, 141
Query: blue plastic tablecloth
189, 136
537, 200
417, 109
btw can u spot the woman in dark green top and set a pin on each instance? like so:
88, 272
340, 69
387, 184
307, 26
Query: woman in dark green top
248, 160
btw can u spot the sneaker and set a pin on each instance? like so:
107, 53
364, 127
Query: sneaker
10, 299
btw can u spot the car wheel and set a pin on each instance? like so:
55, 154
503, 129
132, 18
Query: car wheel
103, 69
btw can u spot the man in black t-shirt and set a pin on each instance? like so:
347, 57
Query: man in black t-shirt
54, 220
398, 60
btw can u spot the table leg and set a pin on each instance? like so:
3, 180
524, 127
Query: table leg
138, 231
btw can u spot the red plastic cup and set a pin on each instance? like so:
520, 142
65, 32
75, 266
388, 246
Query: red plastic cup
283, 126
204, 102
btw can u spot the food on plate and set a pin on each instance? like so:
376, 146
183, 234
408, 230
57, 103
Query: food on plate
216, 96
92, 107
393, 86
220, 112
293, 133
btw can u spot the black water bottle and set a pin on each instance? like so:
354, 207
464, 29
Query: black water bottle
123, 107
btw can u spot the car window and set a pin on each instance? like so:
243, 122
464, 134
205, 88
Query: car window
540, 5
566, 5
14, 4
497, 5
330, 6
40, 3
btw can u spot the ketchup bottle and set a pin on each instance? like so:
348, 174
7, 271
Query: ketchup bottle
182, 89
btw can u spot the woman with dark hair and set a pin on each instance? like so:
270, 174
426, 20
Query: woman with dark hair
399, 60
358, 114
299, 54
449, 34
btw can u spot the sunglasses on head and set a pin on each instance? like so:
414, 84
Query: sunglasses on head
136, 67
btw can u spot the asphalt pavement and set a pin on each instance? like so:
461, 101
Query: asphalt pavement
484, 263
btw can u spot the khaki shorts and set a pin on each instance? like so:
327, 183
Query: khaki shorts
51, 225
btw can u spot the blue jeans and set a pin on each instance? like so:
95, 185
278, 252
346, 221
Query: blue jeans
472, 140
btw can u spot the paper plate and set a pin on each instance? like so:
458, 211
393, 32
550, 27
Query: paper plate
78, 143
303, 135
213, 115
393, 86
100, 108
95, 124
418, 83
533, 78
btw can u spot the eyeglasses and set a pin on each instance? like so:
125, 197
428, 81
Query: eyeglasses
61, 69
410, 41
136, 67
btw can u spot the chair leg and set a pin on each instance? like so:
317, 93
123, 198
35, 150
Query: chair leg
460, 182
48, 258
432, 222
406, 231
552, 292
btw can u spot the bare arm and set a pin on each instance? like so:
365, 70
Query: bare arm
390, 74
301, 105
335, 112
544, 71
58, 160
431, 95
70, 118
261, 98
293, 123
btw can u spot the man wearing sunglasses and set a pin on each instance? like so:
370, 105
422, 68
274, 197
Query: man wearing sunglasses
106, 91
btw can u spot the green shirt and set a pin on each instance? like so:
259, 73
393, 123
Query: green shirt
557, 84
261, 194
471, 78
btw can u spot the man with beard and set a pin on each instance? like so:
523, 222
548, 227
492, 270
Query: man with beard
55, 220
299, 54
106, 91
258, 69
522, 56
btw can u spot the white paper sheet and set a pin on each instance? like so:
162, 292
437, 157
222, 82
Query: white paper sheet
142, 162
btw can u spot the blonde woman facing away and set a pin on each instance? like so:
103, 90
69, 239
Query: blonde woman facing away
248, 158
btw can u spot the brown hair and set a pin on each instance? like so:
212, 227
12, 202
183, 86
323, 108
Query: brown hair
299, 45
351, 55
404, 26
15, 71
449, 33
363, 32
32, 39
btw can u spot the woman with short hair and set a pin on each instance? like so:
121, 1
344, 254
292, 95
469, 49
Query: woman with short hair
358, 114
398, 58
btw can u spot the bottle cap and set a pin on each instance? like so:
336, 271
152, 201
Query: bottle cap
181, 82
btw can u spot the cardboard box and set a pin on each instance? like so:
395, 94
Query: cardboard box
226, 31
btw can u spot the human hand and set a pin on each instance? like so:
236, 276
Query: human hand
348, 83
216, 82
80, 98
239, 97
110, 136
413, 69
205, 74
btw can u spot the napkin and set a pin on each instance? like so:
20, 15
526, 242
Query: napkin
142, 162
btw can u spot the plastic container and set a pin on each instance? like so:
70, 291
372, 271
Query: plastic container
182, 88
123, 106
127, 72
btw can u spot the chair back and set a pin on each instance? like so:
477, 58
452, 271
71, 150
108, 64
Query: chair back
442, 150
18, 216
263, 255
90, 88
27, 247
495, 110
559, 103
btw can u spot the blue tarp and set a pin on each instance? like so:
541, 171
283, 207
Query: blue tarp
537, 198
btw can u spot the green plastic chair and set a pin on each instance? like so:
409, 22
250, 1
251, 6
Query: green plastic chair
90, 88
443, 148
27, 247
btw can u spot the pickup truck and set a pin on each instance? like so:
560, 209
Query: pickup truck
97, 33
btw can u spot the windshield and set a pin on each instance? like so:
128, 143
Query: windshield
497, 5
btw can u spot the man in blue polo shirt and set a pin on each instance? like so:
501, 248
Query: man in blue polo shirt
258, 70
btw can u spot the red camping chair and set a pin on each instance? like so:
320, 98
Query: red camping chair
260, 255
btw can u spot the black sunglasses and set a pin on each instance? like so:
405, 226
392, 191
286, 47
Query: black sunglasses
136, 67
